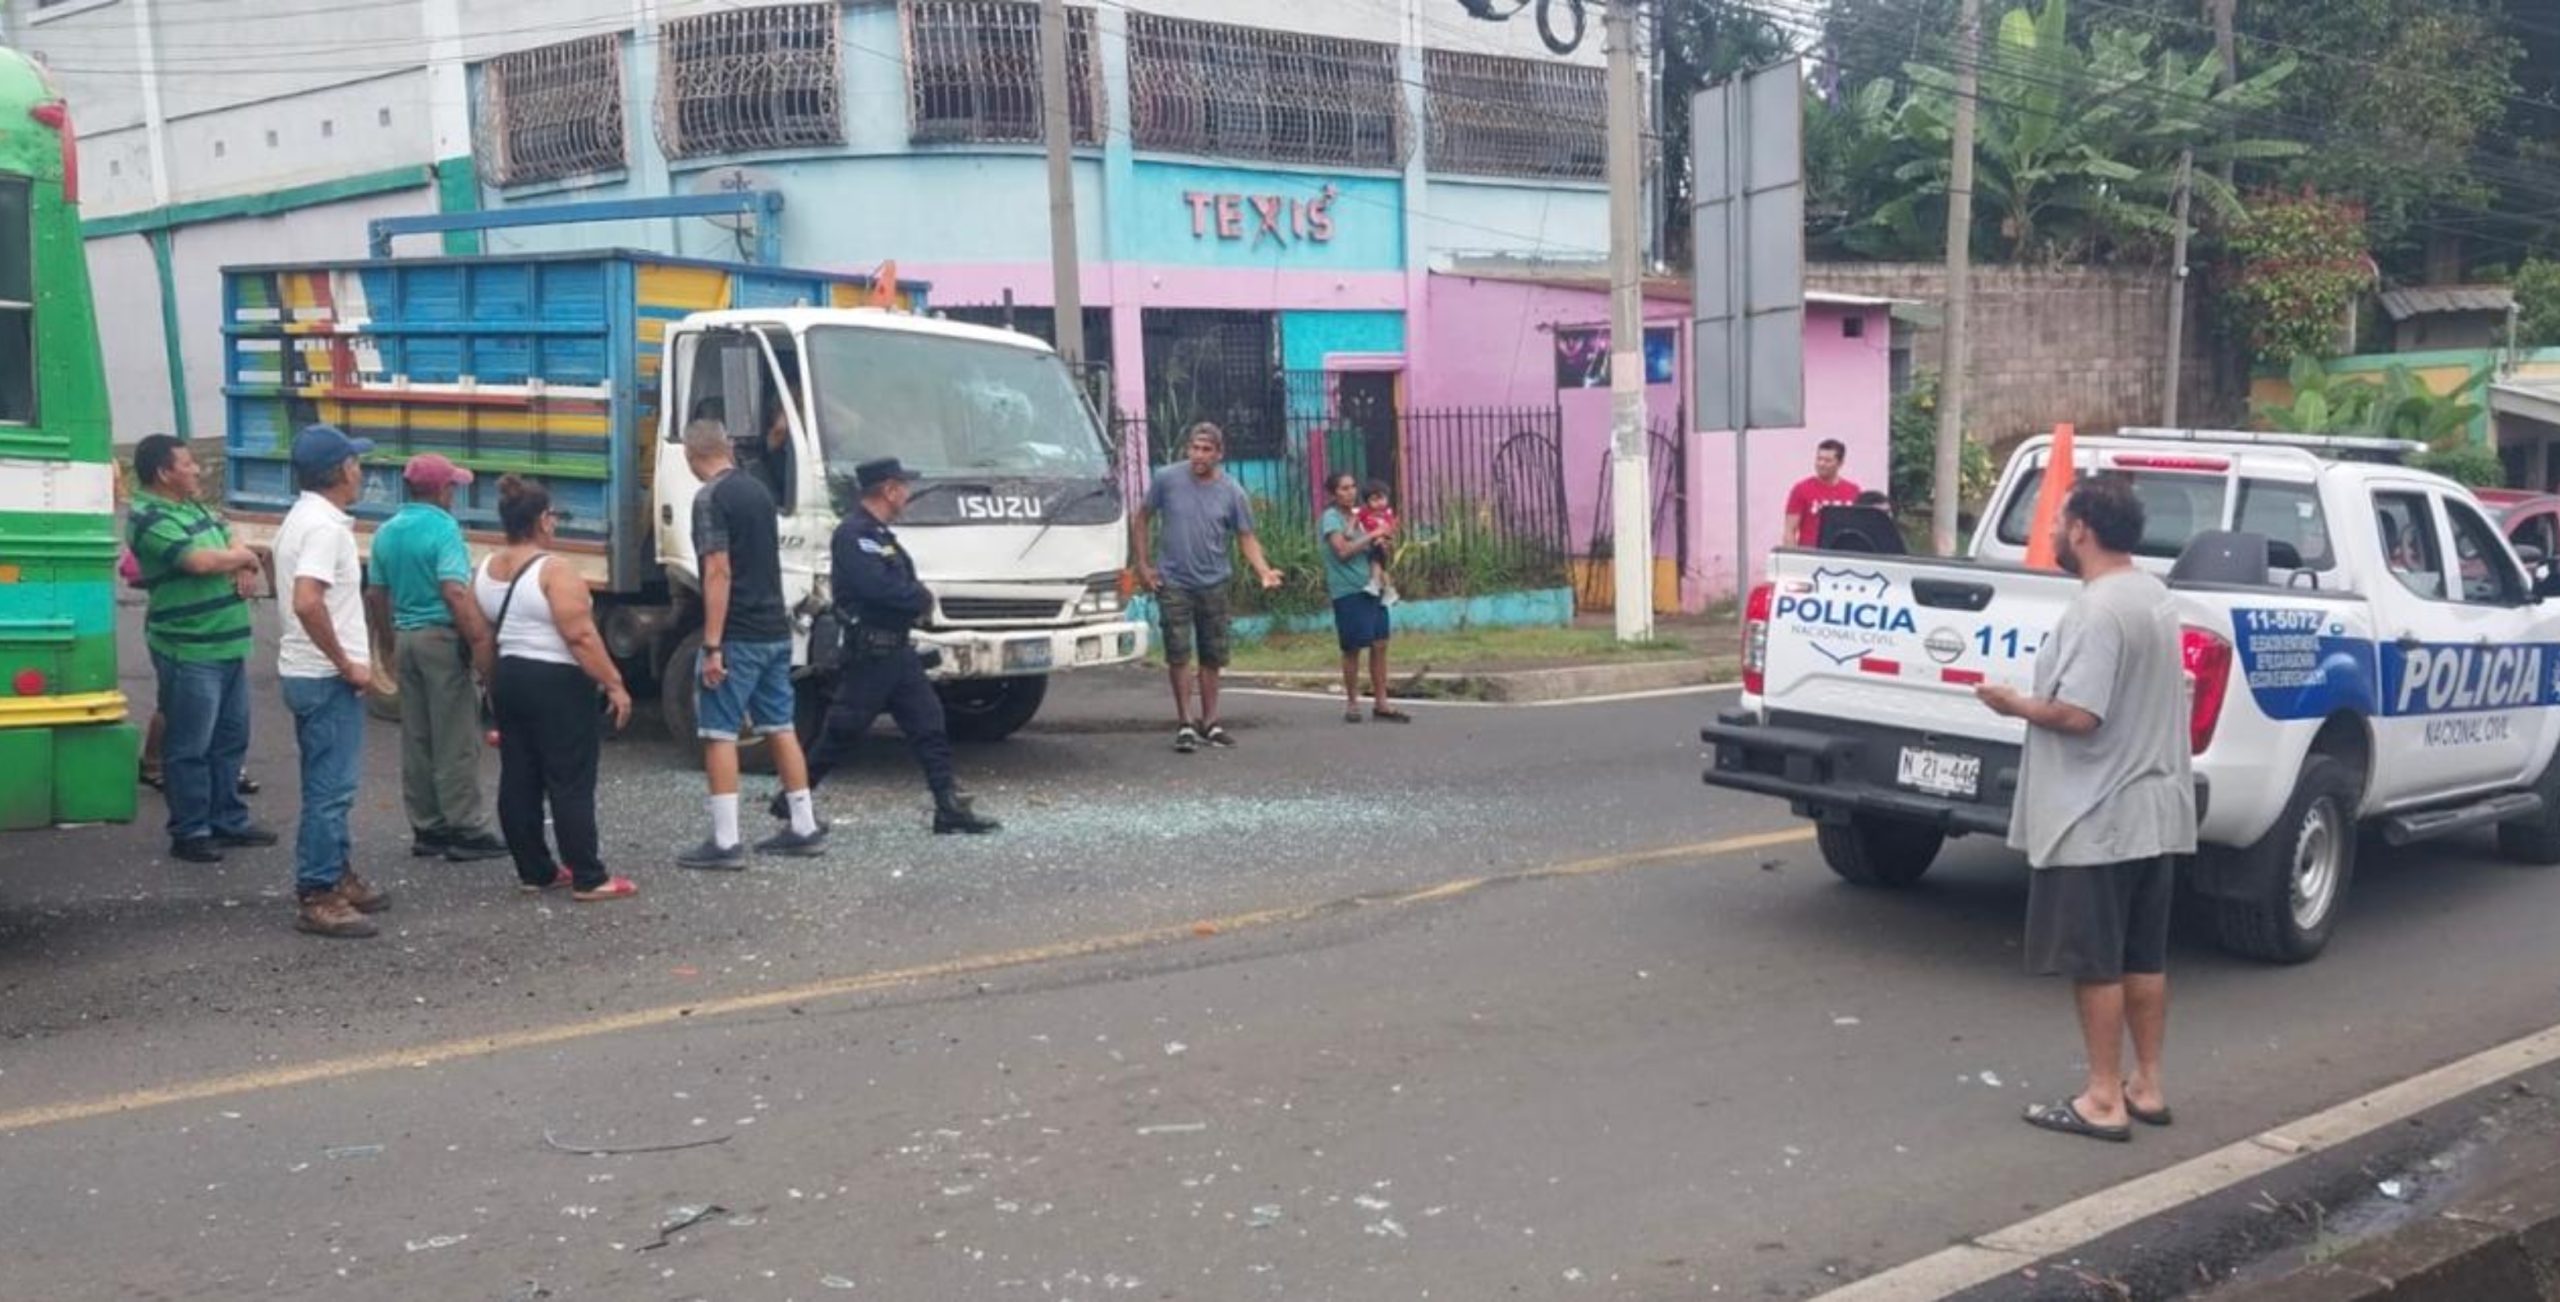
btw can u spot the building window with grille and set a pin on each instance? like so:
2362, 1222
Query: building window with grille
973, 73
551, 113
1244, 92
735, 81
1515, 117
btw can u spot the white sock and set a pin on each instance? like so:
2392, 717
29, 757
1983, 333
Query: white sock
724, 820
804, 813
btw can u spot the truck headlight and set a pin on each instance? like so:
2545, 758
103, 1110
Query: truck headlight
1101, 596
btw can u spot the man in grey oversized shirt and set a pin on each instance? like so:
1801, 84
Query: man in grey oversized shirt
2105, 804
1203, 512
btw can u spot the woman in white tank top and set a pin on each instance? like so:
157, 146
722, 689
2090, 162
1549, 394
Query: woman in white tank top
551, 664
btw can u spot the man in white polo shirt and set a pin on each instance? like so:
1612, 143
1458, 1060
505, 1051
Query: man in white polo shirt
325, 662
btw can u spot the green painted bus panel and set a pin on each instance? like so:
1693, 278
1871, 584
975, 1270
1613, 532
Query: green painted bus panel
93, 771
26, 798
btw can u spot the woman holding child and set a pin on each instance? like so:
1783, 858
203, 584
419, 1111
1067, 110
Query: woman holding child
1355, 577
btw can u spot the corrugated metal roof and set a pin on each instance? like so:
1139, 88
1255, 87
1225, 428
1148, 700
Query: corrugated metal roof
2428, 300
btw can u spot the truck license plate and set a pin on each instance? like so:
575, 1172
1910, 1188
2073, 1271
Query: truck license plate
1940, 773
1026, 655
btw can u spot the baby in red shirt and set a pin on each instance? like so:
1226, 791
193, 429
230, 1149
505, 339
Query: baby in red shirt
1375, 513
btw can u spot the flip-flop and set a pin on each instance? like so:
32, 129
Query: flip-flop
614, 888
1351, 715
2063, 1117
1391, 715
2146, 1117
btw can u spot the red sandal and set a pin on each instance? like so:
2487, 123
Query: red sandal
560, 880
614, 888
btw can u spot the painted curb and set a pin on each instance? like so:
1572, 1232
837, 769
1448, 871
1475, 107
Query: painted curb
1522, 686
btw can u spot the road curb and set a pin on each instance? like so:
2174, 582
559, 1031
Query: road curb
1520, 686
2502, 1241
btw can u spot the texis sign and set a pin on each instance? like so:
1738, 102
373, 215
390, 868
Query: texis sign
1259, 217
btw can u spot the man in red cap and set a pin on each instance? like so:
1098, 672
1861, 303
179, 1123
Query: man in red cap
420, 585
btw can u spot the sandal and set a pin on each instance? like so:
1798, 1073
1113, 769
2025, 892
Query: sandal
2162, 1117
2063, 1117
614, 888
559, 881
153, 780
1351, 714
1390, 714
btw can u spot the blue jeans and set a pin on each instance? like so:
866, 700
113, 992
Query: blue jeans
328, 725
756, 694
204, 710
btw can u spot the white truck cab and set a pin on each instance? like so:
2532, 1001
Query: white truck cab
2362, 648
1016, 523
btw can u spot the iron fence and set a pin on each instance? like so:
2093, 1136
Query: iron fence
1479, 493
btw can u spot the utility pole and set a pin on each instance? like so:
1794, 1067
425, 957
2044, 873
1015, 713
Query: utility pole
1951, 385
1059, 129
2228, 46
1630, 474
2178, 289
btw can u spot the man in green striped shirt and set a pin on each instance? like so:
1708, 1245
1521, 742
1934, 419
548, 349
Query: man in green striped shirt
197, 628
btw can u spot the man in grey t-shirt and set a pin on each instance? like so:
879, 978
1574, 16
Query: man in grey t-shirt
2105, 803
1202, 510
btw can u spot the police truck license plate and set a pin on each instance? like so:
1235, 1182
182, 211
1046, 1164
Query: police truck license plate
1939, 773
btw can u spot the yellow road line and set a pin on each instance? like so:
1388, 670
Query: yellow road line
483, 1046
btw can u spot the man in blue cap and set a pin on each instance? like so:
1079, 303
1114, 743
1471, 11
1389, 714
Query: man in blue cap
325, 661
877, 592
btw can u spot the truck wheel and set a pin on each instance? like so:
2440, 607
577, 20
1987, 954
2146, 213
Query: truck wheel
675, 687
2300, 869
992, 709
1871, 851
2536, 840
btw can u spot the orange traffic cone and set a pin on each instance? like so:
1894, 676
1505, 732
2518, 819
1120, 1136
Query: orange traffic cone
2056, 488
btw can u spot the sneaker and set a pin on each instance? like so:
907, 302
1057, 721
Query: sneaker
361, 895
428, 845
474, 847
196, 849
327, 913
793, 845
1216, 735
248, 837
1186, 739
710, 856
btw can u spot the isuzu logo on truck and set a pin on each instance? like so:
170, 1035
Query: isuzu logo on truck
989, 506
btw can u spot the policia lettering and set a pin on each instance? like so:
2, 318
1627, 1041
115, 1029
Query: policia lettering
877, 593
2439, 679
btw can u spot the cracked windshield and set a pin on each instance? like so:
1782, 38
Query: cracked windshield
948, 408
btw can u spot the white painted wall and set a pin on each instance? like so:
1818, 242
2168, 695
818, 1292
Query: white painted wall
323, 134
127, 289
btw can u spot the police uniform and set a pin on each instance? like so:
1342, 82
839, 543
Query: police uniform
876, 591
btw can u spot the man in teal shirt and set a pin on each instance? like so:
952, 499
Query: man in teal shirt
420, 584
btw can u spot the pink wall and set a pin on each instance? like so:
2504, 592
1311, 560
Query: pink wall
1493, 345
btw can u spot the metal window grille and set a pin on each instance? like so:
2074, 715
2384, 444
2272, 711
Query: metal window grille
738, 80
1245, 92
1515, 117
974, 73
553, 112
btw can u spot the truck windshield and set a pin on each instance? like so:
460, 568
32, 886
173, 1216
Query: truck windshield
948, 407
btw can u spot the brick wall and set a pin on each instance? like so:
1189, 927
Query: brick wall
2056, 344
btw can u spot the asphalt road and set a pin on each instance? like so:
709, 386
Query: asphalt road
1709, 1071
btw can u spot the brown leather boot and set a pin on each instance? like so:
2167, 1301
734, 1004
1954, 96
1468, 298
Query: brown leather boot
361, 895
327, 913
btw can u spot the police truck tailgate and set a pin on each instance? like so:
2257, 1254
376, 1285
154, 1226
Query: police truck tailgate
1899, 644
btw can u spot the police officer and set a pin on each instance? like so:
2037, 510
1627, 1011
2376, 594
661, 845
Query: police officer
876, 591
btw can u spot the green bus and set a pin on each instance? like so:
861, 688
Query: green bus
67, 748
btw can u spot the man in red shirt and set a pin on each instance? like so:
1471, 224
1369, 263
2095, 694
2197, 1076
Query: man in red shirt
1807, 500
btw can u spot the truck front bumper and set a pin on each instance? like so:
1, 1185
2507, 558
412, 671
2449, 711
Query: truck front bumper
1015, 652
1840, 769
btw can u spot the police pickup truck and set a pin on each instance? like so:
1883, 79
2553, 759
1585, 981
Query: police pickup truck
2364, 652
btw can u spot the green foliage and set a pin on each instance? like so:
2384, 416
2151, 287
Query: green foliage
1703, 41
2537, 286
2298, 264
2398, 406
1464, 552
1853, 147
2076, 147
2468, 464
1915, 451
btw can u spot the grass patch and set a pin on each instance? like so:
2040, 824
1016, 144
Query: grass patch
1460, 650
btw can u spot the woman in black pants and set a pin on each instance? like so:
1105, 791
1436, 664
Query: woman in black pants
551, 664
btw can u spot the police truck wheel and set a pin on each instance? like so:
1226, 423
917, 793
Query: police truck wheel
1869, 851
675, 687
2297, 873
2536, 840
991, 709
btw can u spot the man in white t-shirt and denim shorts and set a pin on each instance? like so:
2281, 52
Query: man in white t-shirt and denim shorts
2105, 806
